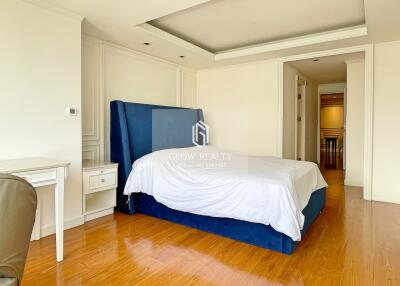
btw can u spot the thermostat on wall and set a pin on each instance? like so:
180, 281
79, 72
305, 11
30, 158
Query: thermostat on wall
72, 111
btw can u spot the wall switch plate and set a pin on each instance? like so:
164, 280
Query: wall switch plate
72, 111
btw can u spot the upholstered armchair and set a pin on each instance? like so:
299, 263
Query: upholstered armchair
17, 215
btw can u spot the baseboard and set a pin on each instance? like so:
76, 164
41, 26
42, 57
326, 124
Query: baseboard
98, 214
352, 184
70, 223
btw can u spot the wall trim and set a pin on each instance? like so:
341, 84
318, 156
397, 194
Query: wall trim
53, 8
107, 47
69, 223
294, 42
352, 183
137, 55
92, 142
368, 105
131, 51
317, 38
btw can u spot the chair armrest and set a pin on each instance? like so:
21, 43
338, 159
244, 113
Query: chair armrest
8, 282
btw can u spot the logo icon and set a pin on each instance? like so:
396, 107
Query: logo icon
200, 134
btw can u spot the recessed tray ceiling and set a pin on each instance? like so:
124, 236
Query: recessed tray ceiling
221, 25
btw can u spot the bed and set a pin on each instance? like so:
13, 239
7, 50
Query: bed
143, 134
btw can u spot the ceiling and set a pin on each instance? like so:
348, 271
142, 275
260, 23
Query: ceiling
330, 69
202, 30
221, 25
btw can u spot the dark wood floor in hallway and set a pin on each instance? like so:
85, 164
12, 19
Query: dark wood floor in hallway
353, 242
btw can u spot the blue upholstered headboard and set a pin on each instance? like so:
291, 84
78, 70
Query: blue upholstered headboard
139, 129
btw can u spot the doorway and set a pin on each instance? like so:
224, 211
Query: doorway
330, 138
332, 130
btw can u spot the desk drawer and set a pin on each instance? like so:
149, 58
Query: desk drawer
40, 177
101, 180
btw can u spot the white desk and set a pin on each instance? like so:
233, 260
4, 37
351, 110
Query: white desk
43, 172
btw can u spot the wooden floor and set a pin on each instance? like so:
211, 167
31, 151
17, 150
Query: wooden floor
353, 242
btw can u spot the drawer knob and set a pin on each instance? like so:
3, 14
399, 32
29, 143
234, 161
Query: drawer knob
102, 180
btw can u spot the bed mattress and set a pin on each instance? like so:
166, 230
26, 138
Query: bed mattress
217, 183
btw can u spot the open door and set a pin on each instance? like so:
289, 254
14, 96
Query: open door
344, 130
300, 117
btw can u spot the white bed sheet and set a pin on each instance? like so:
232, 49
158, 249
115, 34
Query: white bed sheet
214, 182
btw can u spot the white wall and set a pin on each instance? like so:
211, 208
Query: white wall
289, 120
189, 88
238, 100
355, 123
386, 151
112, 72
240, 105
332, 117
40, 76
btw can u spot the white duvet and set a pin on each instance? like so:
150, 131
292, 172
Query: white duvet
213, 182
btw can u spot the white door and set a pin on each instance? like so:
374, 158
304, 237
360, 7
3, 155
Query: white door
344, 129
300, 114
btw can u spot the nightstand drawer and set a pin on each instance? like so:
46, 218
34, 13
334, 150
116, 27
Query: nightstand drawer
101, 180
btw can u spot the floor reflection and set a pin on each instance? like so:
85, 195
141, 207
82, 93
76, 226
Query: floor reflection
353, 242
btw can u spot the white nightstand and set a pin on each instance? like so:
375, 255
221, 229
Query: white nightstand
100, 181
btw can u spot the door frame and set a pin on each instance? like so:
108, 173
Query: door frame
300, 81
368, 104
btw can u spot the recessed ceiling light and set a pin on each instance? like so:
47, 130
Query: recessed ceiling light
146, 44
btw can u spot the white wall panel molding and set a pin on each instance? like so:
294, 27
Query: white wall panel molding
92, 99
126, 51
136, 77
91, 152
113, 72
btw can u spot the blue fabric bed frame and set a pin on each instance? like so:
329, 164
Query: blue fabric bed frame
139, 129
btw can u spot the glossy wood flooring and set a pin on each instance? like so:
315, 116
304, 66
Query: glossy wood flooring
352, 242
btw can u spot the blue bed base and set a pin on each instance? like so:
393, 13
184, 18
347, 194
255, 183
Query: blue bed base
138, 129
